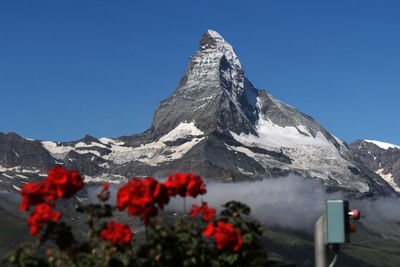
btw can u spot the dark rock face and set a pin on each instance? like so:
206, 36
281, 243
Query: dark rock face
215, 124
207, 42
17, 151
385, 162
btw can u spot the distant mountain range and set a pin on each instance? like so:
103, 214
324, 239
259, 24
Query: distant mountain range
218, 125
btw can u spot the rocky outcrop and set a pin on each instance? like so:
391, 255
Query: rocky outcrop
382, 159
16, 151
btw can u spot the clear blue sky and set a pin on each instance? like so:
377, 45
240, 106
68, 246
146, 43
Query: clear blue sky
70, 68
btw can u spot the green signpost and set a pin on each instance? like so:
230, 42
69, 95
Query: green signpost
336, 221
332, 229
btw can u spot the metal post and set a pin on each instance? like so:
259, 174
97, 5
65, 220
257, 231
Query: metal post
320, 244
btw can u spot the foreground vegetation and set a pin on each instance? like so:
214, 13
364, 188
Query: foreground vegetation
231, 240
151, 242
367, 247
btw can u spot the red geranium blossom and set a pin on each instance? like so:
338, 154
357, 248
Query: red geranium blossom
35, 193
105, 186
225, 235
59, 183
66, 183
140, 197
41, 215
208, 213
116, 233
185, 184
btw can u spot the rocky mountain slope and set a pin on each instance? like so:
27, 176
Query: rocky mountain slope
380, 157
216, 124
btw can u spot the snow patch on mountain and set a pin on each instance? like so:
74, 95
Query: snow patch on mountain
82, 144
382, 144
4, 169
56, 150
151, 153
109, 141
241, 149
183, 130
106, 178
8, 176
388, 178
59, 151
16, 187
80, 151
105, 165
20, 172
19, 169
272, 135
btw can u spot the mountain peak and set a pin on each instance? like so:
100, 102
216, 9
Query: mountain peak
212, 41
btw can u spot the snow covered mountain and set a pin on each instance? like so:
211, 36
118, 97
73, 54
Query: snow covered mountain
382, 158
216, 124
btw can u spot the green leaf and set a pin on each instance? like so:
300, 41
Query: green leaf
247, 238
164, 233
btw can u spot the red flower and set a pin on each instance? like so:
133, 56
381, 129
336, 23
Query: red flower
33, 194
186, 184
210, 229
66, 183
105, 186
42, 214
208, 213
140, 197
225, 235
116, 233
59, 183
